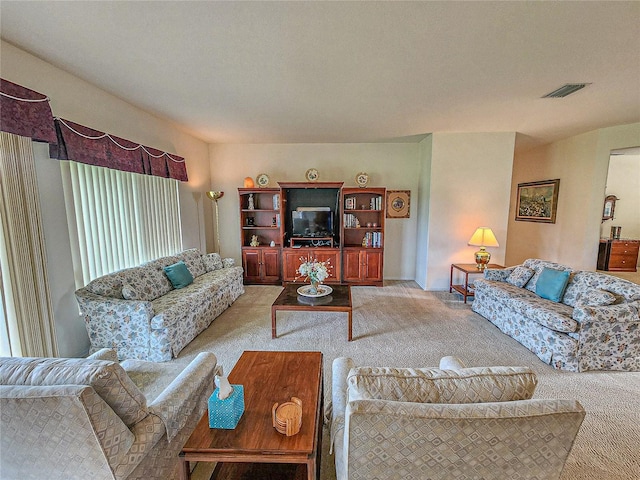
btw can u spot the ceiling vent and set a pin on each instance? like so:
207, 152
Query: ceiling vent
566, 90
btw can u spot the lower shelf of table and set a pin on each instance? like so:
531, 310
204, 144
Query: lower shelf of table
251, 471
461, 290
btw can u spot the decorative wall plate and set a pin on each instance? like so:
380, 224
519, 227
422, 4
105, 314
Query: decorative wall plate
262, 180
362, 179
312, 175
398, 203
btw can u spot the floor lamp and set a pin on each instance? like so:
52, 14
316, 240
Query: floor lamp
215, 196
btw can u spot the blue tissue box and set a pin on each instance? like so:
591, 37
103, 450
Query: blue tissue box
226, 413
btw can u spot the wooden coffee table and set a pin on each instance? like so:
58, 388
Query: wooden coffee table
268, 377
338, 301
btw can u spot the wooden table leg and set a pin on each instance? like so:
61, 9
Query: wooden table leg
273, 322
311, 469
185, 471
350, 325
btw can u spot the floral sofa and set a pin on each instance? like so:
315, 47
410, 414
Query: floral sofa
137, 312
447, 423
595, 325
95, 418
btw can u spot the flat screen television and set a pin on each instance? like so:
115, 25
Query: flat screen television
312, 222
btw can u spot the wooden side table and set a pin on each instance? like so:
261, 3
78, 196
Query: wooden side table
467, 269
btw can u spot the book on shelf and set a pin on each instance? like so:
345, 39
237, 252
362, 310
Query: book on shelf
350, 203
375, 203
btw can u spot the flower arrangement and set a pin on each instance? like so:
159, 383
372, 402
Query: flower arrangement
314, 271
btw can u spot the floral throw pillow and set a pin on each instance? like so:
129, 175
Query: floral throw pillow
520, 276
597, 298
129, 293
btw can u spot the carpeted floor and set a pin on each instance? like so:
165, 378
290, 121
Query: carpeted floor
402, 325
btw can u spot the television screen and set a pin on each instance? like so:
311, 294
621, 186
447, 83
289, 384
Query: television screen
312, 223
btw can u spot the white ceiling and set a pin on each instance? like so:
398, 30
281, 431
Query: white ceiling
317, 72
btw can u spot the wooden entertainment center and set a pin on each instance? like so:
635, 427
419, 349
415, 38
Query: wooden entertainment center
344, 225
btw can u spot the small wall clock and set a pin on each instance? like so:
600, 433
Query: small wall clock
362, 179
312, 175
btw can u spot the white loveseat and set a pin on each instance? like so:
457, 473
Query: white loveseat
447, 424
94, 418
137, 312
595, 325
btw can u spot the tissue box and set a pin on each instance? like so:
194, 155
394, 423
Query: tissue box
226, 413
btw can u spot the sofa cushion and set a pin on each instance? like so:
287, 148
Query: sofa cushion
108, 379
520, 276
106, 286
584, 281
553, 315
501, 290
597, 298
129, 292
537, 266
468, 385
179, 275
212, 261
193, 260
552, 284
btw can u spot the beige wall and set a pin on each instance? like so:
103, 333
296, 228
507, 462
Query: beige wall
469, 179
392, 165
76, 100
581, 164
623, 181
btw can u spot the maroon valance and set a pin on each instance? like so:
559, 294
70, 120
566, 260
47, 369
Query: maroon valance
86, 145
25, 112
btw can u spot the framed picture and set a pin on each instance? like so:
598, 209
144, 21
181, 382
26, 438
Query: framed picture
537, 201
609, 207
398, 203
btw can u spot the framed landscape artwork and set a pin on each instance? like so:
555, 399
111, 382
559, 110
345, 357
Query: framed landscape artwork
537, 201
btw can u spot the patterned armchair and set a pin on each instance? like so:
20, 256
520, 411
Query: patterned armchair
447, 423
77, 418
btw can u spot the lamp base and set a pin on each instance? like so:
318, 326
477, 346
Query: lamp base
482, 258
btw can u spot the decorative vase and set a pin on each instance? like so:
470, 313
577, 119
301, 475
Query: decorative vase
314, 287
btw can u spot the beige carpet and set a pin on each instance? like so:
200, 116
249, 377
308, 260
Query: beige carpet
401, 325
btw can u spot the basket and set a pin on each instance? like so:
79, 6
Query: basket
287, 418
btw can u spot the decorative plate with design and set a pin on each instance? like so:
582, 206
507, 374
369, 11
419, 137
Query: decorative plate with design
306, 291
312, 175
262, 180
362, 179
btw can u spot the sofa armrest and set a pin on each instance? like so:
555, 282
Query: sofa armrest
336, 409
498, 274
177, 402
73, 418
96, 308
620, 313
104, 354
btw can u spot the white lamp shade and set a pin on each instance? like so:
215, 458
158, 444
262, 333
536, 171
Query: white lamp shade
483, 237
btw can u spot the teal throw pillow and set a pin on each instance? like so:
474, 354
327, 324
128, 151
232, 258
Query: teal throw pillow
552, 284
179, 275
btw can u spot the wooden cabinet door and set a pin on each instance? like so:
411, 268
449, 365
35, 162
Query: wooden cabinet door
351, 265
333, 257
372, 265
270, 265
251, 264
290, 263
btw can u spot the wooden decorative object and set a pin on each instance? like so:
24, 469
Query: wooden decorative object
287, 418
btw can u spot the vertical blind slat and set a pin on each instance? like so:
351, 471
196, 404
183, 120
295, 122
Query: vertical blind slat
122, 219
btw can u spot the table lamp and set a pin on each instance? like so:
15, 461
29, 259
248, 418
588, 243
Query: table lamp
483, 237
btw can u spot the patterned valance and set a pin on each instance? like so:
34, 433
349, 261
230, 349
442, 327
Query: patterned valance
25, 112
85, 145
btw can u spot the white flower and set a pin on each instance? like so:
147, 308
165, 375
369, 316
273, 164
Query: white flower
313, 270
